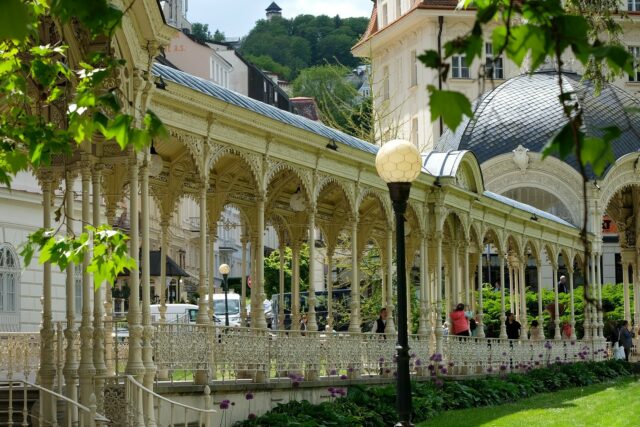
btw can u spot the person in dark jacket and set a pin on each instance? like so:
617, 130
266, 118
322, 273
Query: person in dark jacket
381, 321
625, 338
513, 326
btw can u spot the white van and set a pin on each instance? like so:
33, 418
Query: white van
176, 313
233, 302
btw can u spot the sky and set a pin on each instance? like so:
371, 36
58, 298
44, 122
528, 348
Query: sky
235, 18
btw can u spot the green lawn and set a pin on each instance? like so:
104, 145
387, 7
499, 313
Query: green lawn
607, 405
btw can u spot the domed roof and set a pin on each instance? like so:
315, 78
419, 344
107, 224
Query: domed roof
525, 110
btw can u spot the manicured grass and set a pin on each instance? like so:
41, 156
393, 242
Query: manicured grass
610, 404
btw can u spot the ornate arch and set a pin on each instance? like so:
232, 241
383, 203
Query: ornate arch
535, 248
493, 236
623, 174
384, 201
325, 180
254, 161
552, 255
457, 216
501, 174
275, 167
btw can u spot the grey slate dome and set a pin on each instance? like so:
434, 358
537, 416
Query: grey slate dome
525, 110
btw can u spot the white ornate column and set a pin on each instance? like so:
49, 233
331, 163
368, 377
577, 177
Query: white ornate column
354, 322
259, 320
70, 369
390, 326
556, 310
438, 293
540, 313
295, 286
203, 310
512, 302
329, 288
636, 289
455, 275
164, 239
135, 366
423, 326
465, 266
312, 323
98, 299
47, 370
86, 370
503, 317
599, 290
202, 319
625, 286
523, 301
243, 281
480, 313
108, 311
148, 329
211, 269
572, 302
593, 316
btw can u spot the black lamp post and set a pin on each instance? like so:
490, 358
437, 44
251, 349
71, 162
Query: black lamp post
224, 270
399, 163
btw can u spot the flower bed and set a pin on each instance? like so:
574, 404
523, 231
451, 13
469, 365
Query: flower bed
375, 406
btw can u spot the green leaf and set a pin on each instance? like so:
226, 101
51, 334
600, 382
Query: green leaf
430, 59
449, 105
14, 20
597, 151
562, 143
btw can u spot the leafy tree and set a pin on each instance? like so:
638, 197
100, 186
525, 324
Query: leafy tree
305, 41
336, 95
272, 271
36, 76
265, 62
218, 36
200, 32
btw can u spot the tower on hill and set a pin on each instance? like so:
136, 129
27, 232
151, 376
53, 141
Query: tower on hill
273, 10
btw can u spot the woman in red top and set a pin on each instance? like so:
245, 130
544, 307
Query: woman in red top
459, 322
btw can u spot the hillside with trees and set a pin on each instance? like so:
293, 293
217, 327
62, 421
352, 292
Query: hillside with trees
287, 46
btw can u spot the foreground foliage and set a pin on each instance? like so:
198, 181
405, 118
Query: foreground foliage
375, 406
596, 405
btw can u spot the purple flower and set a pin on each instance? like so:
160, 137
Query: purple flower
295, 384
439, 382
573, 342
331, 390
431, 368
386, 371
443, 371
249, 396
548, 345
350, 369
224, 404
504, 353
252, 416
341, 392
490, 369
343, 377
503, 367
333, 372
418, 362
540, 355
381, 360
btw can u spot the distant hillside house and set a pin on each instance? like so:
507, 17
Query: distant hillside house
221, 64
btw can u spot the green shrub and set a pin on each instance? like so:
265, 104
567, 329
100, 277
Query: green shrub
373, 406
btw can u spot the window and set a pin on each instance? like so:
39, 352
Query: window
459, 68
634, 5
414, 69
398, 8
77, 281
635, 51
385, 15
385, 82
9, 279
493, 67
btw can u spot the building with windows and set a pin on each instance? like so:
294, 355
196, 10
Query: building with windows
515, 115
